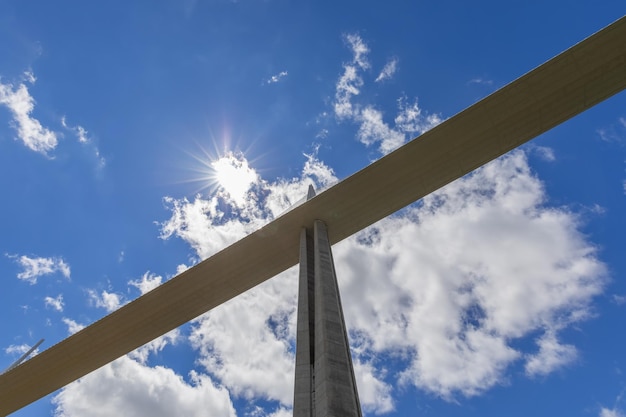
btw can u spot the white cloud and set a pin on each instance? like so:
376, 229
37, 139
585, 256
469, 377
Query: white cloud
347, 86
72, 326
127, 387
619, 299
359, 50
388, 70
235, 177
83, 138
350, 81
148, 282
212, 224
19, 350
373, 130
33, 268
29, 77
545, 153
611, 412
494, 265
411, 120
615, 411
552, 355
29, 130
55, 303
374, 393
480, 80
454, 281
260, 320
276, 78
142, 353
110, 301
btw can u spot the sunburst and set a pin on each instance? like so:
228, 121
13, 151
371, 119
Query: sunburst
233, 174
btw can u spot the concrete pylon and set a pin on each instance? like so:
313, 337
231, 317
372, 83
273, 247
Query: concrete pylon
324, 377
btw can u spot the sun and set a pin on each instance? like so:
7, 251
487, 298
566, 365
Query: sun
234, 175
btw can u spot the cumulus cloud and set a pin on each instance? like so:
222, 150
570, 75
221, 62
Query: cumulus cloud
56, 303
29, 130
72, 326
110, 301
373, 129
259, 321
454, 281
495, 265
551, 355
33, 268
142, 354
374, 393
148, 282
132, 389
19, 350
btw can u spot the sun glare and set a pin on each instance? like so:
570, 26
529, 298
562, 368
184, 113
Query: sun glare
234, 175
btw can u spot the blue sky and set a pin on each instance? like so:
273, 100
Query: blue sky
137, 139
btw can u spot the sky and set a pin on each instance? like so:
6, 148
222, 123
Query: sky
138, 138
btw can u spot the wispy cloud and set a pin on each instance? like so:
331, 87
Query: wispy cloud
82, 135
347, 86
611, 412
276, 78
33, 268
481, 81
21, 105
388, 70
617, 410
614, 132
360, 50
373, 129
544, 152
55, 303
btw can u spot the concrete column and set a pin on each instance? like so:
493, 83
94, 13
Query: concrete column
303, 388
324, 380
335, 386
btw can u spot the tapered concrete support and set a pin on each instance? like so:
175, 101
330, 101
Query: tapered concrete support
324, 383
303, 387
